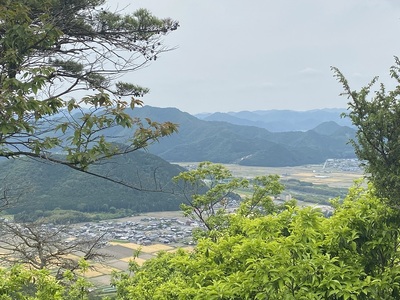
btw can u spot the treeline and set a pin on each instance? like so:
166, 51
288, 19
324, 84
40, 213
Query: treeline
309, 192
62, 216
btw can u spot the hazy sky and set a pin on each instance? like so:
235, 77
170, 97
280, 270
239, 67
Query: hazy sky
261, 54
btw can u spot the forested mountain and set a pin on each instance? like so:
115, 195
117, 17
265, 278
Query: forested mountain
46, 186
40, 185
199, 140
280, 120
223, 142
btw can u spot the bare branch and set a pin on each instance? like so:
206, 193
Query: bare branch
43, 246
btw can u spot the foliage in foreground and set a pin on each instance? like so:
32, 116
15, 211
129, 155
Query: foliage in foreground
53, 50
376, 115
19, 283
294, 254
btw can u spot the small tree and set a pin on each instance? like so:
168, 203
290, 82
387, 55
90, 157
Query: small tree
377, 118
210, 190
207, 190
42, 247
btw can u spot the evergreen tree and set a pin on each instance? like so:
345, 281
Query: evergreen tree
52, 49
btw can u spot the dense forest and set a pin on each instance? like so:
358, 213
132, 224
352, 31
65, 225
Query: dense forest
44, 186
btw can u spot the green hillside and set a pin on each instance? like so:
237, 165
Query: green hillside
40, 185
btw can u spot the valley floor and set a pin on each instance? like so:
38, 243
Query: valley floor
339, 173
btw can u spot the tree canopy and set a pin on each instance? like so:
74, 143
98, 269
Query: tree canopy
61, 65
54, 51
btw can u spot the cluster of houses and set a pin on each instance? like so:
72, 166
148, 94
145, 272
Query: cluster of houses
346, 165
146, 231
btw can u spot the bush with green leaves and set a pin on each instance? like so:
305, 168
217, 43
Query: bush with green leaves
294, 254
21, 283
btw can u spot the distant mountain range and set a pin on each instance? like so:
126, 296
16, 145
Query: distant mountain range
223, 142
280, 120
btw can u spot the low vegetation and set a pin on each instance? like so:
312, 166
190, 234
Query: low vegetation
295, 254
62, 216
314, 193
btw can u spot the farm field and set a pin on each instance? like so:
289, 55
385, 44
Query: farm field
315, 174
120, 256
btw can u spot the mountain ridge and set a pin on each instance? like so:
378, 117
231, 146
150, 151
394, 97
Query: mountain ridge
222, 142
280, 120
